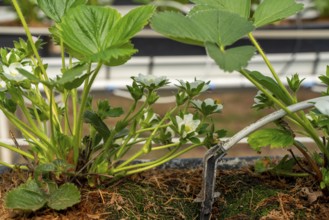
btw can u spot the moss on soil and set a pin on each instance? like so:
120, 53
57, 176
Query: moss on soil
169, 194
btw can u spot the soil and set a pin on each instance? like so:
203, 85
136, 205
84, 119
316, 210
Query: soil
170, 194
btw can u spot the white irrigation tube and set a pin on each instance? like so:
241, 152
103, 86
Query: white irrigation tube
270, 118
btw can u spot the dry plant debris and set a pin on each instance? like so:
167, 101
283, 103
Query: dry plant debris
169, 194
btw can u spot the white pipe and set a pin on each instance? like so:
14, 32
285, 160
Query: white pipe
270, 118
6, 155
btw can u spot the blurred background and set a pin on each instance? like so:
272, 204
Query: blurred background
297, 45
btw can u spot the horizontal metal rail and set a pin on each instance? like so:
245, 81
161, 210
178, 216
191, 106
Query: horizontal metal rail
148, 33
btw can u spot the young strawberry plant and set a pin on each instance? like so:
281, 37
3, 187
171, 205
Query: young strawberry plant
216, 25
69, 140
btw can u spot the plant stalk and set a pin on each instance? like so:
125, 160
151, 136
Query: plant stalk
270, 118
165, 159
78, 127
268, 63
36, 53
295, 117
16, 150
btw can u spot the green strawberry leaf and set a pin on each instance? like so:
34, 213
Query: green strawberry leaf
270, 11
232, 59
27, 196
30, 76
129, 25
100, 34
85, 28
73, 73
96, 121
275, 138
114, 56
240, 7
74, 77
213, 26
177, 27
270, 85
65, 196
56, 9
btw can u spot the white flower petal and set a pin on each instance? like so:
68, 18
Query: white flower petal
170, 131
150, 80
219, 107
12, 72
209, 101
322, 106
190, 125
196, 83
12, 53
197, 103
256, 98
3, 86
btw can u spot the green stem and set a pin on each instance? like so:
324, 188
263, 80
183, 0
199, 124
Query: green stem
265, 91
131, 110
187, 104
74, 100
309, 129
164, 160
12, 166
67, 128
62, 53
142, 108
37, 118
127, 120
309, 159
132, 158
16, 150
78, 127
290, 174
165, 146
303, 121
52, 129
127, 146
74, 95
135, 166
136, 141
269, 65
151, 129
28, 131
146, 147
123, 149
29, 118
36, 53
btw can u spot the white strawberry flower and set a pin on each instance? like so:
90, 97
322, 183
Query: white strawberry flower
11, 72
150, 80
208, 102
190, 125
194, 85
